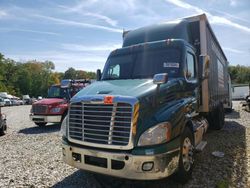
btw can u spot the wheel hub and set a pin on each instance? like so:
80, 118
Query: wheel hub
187, 154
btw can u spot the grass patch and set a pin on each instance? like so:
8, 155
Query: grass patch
222, 184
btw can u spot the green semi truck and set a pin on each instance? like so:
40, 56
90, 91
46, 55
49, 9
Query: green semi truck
148, 111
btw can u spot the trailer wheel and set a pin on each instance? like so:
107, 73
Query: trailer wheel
40, 124
217, 118
186, 158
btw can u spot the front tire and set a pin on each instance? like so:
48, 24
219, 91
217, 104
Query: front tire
186, 159
40, 124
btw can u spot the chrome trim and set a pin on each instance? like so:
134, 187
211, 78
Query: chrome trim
117, 99
39, 109
173, 150
112, 123
165, 164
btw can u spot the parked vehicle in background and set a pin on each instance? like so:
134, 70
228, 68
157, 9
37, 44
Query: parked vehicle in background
148, 112
2, 103
33, 100
248, 103
11, 100
14, 102
7, 102
3, 94
54, 108
3, 125
240, 91
21, 102
27, 99
39, 98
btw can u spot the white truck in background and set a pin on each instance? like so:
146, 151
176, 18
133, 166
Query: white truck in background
240, 91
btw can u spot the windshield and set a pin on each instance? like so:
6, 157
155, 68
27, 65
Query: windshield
58, 92
144, 64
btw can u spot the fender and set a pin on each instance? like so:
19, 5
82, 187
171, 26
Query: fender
178, 113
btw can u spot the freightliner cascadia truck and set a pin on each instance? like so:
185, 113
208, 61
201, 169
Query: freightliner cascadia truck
146, 115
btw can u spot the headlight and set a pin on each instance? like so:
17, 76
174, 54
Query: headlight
156, 135
63, 130
55, 110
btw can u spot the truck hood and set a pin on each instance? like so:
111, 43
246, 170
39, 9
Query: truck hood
130, 87
49, 101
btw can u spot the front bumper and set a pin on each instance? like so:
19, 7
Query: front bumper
46, 118
121, 165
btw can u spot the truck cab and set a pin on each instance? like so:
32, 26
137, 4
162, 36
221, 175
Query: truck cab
148, 112
55, 107
134, 115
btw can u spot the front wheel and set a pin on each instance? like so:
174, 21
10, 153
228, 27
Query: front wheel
40, 124
186, 159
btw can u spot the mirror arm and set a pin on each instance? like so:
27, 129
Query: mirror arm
98, 75
155, 96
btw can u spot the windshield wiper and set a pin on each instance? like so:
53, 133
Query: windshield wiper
111, 79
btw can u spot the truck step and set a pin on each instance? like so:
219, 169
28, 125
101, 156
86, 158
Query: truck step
200, 146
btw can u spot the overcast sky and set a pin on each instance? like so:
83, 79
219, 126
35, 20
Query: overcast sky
81, 33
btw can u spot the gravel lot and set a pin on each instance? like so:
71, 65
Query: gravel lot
31, 157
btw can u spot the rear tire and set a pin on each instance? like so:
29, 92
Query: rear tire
40, 124
186, 159
216, 118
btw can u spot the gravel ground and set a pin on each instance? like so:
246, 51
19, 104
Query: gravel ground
31, 157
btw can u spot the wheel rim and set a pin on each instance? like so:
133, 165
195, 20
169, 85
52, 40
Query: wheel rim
187, 154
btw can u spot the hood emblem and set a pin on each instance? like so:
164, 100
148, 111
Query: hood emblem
96, 101
104, 92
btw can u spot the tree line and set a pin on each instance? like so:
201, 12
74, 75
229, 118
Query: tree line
240, 74
34, 77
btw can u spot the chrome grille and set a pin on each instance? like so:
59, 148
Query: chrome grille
108, 124
39, 109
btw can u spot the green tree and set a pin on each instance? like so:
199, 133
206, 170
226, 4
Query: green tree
239, 74
34, 77
70, 73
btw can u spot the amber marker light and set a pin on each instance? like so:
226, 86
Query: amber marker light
108, 99
135, 118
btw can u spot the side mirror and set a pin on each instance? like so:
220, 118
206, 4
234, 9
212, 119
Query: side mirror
160, 78
203, 67
66, 83
98, 75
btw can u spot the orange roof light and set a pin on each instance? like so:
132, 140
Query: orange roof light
108, 99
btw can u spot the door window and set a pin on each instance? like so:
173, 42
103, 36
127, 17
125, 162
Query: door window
114, 71
190, 70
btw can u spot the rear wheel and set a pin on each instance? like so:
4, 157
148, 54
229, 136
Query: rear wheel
216, 118
40, 124
186, 159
